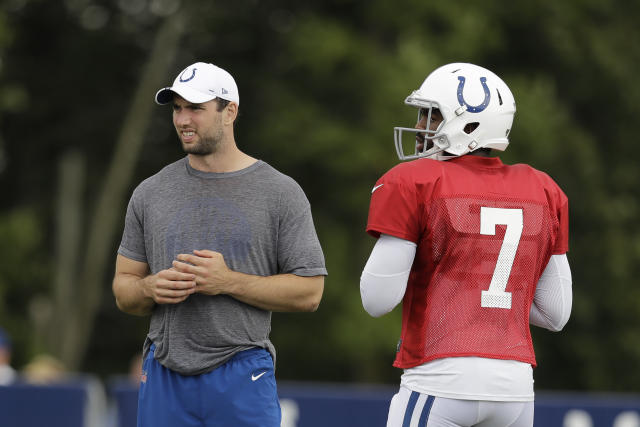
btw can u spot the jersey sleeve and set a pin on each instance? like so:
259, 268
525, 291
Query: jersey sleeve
562, 212
394, 209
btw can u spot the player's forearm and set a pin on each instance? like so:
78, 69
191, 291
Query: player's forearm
129, 292
282, 292
552, 301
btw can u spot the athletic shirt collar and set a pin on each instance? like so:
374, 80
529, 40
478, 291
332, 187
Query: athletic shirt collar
478, 161
219, 175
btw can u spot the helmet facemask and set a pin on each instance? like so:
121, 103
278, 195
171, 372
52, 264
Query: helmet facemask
426, 142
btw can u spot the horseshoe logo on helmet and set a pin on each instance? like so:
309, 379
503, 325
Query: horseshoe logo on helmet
193, 74
477, 108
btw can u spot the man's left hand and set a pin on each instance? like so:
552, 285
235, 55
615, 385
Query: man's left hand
210, 269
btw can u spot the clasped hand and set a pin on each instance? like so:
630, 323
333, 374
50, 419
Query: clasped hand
203, 271
210, 271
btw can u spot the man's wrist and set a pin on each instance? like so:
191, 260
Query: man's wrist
143, 285
236, 283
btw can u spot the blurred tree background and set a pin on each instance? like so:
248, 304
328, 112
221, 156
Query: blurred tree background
322, 85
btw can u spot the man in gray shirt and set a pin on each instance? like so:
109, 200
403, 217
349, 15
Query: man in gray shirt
213, 243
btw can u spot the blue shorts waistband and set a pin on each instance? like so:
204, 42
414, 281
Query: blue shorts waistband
250, 352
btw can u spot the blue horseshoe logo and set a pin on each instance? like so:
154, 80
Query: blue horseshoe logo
487, 95
193, 74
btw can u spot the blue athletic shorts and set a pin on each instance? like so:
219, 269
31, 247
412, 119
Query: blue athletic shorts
241, 392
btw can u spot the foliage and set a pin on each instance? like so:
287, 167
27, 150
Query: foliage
23, 276
322, 86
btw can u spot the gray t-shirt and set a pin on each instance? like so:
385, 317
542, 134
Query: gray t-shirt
260, 221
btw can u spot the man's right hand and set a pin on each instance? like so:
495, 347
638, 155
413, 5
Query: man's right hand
137, 291
169, 286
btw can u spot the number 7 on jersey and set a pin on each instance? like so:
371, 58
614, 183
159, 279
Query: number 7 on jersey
496, 296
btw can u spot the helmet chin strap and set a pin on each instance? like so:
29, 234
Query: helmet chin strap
436, 154
436, 149
431, 152
445, 158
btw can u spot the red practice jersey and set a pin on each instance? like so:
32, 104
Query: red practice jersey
484, 232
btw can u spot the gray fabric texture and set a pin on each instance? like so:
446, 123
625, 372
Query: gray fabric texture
260, 221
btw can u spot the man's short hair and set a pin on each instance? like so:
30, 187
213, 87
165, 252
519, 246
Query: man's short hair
222, 103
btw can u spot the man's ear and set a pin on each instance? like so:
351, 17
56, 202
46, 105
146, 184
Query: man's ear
230, 113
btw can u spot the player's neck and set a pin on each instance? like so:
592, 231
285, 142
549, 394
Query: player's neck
481, 152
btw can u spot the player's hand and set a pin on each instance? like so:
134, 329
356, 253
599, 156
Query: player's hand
211, 273
169, 286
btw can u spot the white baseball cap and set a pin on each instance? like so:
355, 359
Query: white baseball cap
201, 82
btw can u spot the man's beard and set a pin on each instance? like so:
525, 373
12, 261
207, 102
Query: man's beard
206, 145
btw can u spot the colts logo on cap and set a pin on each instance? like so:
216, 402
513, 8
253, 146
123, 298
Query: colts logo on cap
477, 108
193, 74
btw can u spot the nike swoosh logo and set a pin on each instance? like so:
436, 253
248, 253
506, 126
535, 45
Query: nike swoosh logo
376, 187
255, 377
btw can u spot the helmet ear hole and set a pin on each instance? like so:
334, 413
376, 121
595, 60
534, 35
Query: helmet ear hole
470, 127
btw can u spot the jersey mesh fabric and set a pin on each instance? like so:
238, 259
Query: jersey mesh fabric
449, 309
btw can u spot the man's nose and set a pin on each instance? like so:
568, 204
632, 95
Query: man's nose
422, 124
182, 117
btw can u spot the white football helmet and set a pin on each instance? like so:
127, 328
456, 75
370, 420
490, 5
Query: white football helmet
477, 108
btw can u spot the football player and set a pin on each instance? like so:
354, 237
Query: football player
476, 251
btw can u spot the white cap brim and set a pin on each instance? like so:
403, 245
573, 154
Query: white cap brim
165, 95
